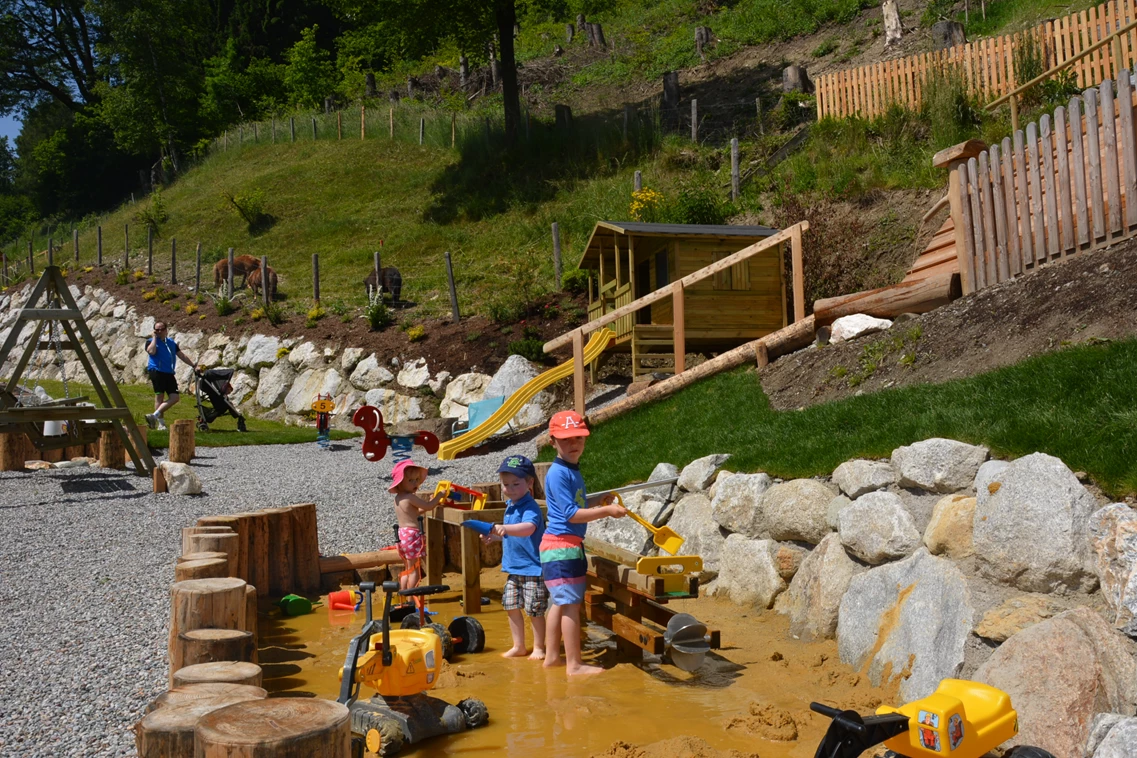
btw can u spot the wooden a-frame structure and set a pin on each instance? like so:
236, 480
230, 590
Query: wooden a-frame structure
56, 304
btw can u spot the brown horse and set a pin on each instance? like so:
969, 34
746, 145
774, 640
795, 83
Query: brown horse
389, 279
255, 282
243, 265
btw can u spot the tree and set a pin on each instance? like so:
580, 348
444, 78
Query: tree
47, 50
309, 75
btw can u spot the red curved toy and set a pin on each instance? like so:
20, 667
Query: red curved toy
375, 440
427, 441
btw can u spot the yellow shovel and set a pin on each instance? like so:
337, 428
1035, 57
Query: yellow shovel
664, 537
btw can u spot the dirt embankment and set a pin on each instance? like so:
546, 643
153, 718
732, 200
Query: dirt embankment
1086, 298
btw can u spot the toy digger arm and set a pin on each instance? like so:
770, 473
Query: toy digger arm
850, 734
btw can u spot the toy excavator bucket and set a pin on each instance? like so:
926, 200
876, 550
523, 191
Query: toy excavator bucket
664, 537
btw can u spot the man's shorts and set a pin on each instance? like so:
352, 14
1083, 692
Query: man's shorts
526, 593
411, 545
163, 383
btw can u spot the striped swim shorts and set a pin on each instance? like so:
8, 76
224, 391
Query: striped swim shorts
563, 567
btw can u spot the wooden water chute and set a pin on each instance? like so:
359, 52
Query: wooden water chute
57, 325
632, 604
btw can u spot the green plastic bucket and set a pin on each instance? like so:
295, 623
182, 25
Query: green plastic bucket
294, 605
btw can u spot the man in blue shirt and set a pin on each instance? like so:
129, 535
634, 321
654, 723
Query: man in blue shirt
164, 354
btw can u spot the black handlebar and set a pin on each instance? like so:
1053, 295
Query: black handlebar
426, 589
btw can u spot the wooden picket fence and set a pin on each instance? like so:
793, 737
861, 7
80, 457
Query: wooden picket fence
986, 64
1057, 190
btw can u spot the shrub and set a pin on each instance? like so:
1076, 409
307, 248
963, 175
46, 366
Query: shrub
575, 281
274, 314
700, 202
473, 336
191, 308
316, 313
574, 315
256, 314
948, 107
176, 306
251, 208
551, 311
647, 206
282, 351
202, 317
225, 306
828, 46
531, 333
416, 333
122, 277
153, 215
238, 321
148, 296
377, 314
139, 275
530, 349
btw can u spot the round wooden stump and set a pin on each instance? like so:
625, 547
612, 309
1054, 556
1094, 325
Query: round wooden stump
193, 693
201, 557
277, 728
182, 441
221, 542
188, 533
229, 672
211, 568
212, 645
168, 731
12, 451
203, 604
111, 452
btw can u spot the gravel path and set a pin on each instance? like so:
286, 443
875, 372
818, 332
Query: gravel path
87, 557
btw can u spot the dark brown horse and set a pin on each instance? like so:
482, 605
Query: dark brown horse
243, 265
389, 279
255, 282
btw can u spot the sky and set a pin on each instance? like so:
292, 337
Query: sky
9, 127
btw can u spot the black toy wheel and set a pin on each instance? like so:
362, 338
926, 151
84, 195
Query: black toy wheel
202, 426
410, 622
447, 640
382, 735
475, 711
1026, 751
468, 635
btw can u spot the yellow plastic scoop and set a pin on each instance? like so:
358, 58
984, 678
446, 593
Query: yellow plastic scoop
664, 537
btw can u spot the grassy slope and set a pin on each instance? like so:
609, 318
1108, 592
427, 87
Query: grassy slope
1077, 404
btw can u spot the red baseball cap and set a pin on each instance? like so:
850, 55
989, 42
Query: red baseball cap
567, 424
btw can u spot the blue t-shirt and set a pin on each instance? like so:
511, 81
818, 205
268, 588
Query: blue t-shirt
165, 356
522, 555
564, 494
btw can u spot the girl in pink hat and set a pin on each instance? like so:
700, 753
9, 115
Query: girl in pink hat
406, 479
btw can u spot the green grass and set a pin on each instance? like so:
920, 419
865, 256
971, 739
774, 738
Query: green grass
1005, 16
1079, 404
222, 432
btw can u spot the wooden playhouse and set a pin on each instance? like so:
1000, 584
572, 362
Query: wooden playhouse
723, 307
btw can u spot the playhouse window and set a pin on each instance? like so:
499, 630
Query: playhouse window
737, 277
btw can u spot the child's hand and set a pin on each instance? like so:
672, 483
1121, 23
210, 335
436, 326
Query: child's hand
489, 539
498, 530
616, 511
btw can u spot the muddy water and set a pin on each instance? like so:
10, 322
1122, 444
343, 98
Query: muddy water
752, 696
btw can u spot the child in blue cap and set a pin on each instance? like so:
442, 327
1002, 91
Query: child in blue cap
524, 526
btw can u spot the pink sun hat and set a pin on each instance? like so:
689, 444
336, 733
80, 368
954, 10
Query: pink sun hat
400, 472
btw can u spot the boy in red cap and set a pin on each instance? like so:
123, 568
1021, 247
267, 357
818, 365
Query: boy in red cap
406, 478
563, 565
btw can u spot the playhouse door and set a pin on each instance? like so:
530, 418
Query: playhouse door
643, 287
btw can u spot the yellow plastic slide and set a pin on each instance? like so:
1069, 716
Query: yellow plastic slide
447, 451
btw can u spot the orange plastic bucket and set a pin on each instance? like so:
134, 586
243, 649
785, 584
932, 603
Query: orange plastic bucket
341, 600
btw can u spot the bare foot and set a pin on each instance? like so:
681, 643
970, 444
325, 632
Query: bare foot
515, 652
553, 661
537, 655
582, 669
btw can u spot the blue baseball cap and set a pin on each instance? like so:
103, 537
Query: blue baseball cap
518, 465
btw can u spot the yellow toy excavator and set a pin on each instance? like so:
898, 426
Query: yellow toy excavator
402, 665
960, 719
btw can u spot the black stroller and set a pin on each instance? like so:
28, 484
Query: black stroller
214, 384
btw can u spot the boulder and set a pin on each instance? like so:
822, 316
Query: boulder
368, 374
664, 492
1014, 615
788, 557
693, 518
626, 533
439, 382
274, 383
145, 327
260, 352
947, 34
513, 374
463, 390
699, 473
795, 510
796, 79
856, 325
350, 359
1113, 736
988, 473
306, 356
949, 531
395, 408
856, 478
180, 479
1113, 535
1032, 533
721, 476
736, 503
107, 308
938, 465
414, 374
307, 386
815, 593
876, 528
747, 572
346, 404
218, 341
833, 511
1060, 673
210, 359
244, 385
910, 616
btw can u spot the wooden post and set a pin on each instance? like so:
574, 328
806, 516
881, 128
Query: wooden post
228, 543
694, 120
758, 110
799, 275
189, 532
421, 129
313, 128
258, 552
339, 124
391, 121
557, 255
363, 122
639, 181
305, 548
149, 251
126, 247
12, 451
471, 572
112, 454
216, 645
265, 280
1014, 113
197, 274
203, 604
239, 524
280, 551
75, 243
453, 291
182, 441
167, 729
316, 277
679, 327
453, 129
292, 127
435, 537
762, 355
50, 251
734, 178
578, 370
213, 568
229, 278
276, 728
274, 130
227, 672
173, 260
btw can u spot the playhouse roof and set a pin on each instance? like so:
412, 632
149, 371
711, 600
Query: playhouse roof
601, 237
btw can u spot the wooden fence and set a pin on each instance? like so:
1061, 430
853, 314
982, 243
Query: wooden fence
988, 65
1057, 190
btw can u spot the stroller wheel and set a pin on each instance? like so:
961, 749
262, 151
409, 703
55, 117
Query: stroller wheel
202, 426
241, 425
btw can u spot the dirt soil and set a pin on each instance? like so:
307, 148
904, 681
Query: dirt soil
1084, 299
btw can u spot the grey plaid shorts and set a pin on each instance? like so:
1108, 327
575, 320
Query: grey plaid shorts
526, 593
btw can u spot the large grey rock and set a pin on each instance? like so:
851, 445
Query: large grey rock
306, 356
699, 473
308, 385
1113, 533
625, 532
856, 478
796, 510
439, 382
736, 503
988, 473
244, 387
210, 359
274, 383
833, 511
180, 479
260, 352
665, 492
1118, 737
938, 465
414, 374
145, 327
1060, 673
395, 408
1032, 532
350, 359
463, 390
513, 374
949, 531
1011, 617
815, 593
218, 341
748, 574
369, 374
913, 615
876, 528
693, 519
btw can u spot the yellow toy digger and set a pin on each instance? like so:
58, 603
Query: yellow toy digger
962, 719
401, 666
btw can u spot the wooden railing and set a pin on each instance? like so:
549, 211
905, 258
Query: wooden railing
988, 64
